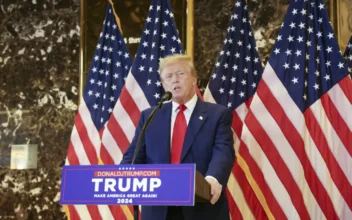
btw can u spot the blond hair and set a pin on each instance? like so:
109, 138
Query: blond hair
175, 58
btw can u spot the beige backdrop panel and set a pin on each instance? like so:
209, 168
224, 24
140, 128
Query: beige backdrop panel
344, 21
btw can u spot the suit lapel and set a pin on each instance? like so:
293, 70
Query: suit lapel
163, 132
196, 121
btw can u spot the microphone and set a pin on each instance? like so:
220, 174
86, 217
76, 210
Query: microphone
166, 97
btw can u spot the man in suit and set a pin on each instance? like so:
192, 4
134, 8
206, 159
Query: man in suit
187, 130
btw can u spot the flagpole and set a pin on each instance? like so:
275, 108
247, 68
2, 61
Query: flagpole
190, 29
116, 17
190, 35
82, 51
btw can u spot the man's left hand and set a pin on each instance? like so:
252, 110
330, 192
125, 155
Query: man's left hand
216, 189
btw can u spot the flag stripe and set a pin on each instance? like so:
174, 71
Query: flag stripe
118, 212
92, 132
113, 155
252, 209
281, 169
279, 92
342, 103
268, 201
346, 87
71, 155
121, 140
136, 93
335, 172
121, 116
237, 123
335, 142
129, 209
105, 156
333, 198
78, 147
297, 145
337, 122
208, 96
86, 154
129, 105
251, 203
321, 195
83, 212
235, 212
242, 112
113, 149
85, 139
248, 102
289, 121
105, 212
270, 122
72, 215
291, 133
71, 212
237, 142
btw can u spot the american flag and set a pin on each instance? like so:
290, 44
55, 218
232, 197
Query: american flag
348, 56
109, 67
143, 87
298, 127
233, 83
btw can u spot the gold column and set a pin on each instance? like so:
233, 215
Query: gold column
82, 51
333, 15
340, 11
190, 29
344, 21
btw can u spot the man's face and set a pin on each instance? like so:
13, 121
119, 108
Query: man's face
177, 78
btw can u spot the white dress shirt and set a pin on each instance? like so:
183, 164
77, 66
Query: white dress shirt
187, 112
191, 104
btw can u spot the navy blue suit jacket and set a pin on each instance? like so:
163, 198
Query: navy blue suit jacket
208, 144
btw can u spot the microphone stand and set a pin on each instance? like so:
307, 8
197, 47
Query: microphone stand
140, 139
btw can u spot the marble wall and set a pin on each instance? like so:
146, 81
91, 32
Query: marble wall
39, 47
39, 78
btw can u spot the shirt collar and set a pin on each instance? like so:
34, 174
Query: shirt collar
190, 104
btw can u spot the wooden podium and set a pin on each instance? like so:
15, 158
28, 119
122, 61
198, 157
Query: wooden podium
202, 189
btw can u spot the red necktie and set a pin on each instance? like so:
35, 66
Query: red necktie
178, 136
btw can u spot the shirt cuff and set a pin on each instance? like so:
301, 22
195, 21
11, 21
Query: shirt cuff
211, 177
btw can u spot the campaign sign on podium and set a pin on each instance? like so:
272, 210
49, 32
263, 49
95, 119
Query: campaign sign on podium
140, 184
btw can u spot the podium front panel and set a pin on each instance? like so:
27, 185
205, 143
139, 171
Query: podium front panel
159, 184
